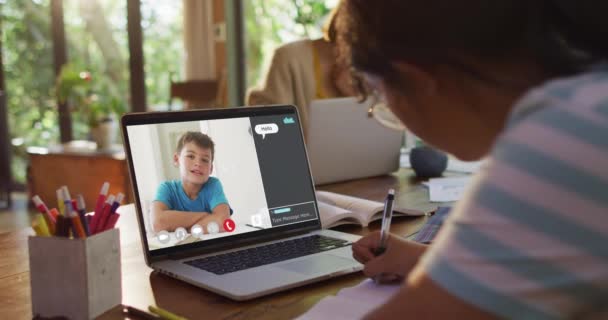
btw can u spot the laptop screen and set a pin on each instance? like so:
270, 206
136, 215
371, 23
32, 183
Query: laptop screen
205, 178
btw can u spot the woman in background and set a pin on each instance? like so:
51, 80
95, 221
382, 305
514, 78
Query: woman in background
303, 71
524, 83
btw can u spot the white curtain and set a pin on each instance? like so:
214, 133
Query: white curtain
199, 42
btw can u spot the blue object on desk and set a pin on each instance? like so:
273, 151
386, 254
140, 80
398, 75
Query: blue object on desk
428, 162
428, 232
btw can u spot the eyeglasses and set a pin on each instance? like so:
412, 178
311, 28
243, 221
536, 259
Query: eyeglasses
383, 114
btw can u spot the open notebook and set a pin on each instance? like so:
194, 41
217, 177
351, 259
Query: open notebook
336, 209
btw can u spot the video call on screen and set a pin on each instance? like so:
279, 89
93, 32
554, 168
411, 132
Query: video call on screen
260, 162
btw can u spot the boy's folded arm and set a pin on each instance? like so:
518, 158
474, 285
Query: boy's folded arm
165, 219
220, 213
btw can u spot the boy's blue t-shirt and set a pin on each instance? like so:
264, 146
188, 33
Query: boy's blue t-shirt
174, 197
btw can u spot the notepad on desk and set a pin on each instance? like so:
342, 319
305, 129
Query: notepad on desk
338, 209
447, 189
353, 302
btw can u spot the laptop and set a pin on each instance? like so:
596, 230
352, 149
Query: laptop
274, 239
344, 143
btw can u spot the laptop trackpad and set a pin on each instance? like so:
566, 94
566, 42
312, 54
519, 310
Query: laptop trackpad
317, 264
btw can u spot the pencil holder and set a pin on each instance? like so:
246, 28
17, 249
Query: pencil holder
75, 278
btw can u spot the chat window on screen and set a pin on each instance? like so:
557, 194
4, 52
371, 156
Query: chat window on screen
280, 151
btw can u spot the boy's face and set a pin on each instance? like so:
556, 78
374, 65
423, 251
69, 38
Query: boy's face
195, 163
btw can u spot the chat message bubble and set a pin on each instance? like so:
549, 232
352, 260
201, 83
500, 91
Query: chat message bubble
268, 128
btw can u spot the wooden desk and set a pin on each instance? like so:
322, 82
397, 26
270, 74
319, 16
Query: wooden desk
80, 167
142, 287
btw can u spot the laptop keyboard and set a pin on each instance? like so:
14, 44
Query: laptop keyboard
271, 253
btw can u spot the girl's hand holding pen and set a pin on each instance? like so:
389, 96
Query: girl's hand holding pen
398, 259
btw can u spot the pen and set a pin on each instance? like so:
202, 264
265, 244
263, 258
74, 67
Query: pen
48, 217
99, 220
386, 222
74, 205
39, 225
64, 223
77, 228
131, 311
42, 208
72, 218
164, 314
67, 200
111, 221
386, 225
55, 213
102, 197
60, 203
63, 228
116, 203
72, 214
81, 214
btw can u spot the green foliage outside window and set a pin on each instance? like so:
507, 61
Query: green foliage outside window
92, 98
28, 55
97, 42
271, 23
28, 70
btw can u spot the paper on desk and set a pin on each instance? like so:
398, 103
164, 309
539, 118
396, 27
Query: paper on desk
353, 302
447, 189
456, 165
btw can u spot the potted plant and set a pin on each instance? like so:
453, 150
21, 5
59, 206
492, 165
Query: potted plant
95, 102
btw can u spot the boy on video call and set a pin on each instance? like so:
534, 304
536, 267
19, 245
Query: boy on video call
196, 198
